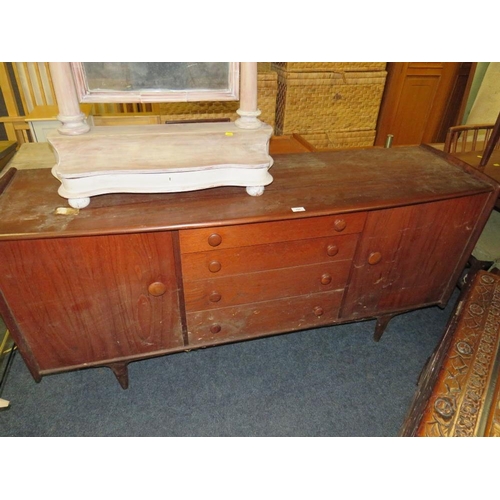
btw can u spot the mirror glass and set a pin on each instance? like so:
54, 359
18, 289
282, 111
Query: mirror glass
156, 81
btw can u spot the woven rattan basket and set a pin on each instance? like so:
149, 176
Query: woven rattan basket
340, 139
267, 87
314, 102
264, 67
329, 66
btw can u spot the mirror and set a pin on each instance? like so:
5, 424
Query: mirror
156, 81
92, 161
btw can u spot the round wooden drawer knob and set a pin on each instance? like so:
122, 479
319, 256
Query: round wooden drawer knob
374, 258
215, 328
214, 240
214, 266
339, 225
215, 297
318, 311
326, 279
332, 250
157, 288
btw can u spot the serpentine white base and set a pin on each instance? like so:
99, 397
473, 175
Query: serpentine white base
161, 159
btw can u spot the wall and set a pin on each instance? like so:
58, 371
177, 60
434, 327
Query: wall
486, 105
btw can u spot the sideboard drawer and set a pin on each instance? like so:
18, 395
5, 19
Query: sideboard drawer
263, 318
266, 285
225, 262
199, 240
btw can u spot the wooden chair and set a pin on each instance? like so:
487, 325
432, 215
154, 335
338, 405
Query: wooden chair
463, 138
493, 143
485, 138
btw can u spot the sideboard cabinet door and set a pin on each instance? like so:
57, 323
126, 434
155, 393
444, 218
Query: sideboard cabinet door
88, 300
408, 255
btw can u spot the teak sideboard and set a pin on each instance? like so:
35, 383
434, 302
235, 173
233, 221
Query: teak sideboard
337, 237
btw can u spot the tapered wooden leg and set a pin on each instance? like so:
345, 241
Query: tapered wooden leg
381, 325
121, 373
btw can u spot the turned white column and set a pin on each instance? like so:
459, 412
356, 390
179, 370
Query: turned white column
248, 111
72, 119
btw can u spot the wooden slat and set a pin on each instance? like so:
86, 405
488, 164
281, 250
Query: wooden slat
35, 84
16, 129
464, 138
8, 91
24, 91
47, 83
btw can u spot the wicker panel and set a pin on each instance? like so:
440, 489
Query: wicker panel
267, 88
329, 66
340, 139
314, 102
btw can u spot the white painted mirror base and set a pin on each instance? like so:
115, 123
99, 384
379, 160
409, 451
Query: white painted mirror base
158, 158
84, 202
79, 202
79, 191
161, 159
255, 190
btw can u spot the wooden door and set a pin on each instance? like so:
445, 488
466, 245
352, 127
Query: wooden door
422, 100
411, 256
87, 300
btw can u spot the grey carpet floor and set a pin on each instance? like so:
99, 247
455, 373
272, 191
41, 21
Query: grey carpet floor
333, 381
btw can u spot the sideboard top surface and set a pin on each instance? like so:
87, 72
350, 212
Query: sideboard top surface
314, 183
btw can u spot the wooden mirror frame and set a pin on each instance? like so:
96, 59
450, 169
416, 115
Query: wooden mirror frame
231, 93
69, 92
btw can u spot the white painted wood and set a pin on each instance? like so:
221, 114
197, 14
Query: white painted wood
255, 190
79, 202
157, 158
248, 111
43, 119
161, 158
248, 82
173, 147
73, 120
